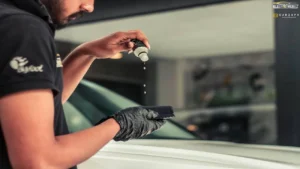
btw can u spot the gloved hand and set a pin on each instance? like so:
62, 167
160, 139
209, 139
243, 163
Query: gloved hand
136, 122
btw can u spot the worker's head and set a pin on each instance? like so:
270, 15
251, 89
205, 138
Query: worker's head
64, 11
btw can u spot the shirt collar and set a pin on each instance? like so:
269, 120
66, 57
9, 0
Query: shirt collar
35, 7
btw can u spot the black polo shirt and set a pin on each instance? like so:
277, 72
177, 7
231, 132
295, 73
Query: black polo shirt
28, 58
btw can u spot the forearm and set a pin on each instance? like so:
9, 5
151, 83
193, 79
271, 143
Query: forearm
72, 149
75, 67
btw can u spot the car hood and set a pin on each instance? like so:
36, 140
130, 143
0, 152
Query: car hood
176, 154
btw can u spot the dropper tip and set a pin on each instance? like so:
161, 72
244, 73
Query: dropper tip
144, 57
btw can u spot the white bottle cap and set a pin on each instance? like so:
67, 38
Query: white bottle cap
142, 53
144, 57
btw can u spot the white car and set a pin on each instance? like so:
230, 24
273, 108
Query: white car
178, 154
170, 147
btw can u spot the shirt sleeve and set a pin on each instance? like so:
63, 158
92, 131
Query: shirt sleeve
27, 55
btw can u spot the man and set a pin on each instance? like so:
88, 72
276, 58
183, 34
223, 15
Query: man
34, 85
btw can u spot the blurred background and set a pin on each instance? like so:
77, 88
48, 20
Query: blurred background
212, 60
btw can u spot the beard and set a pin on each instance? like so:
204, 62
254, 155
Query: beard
56, 10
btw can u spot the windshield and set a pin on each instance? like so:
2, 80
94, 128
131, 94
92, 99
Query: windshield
91, 102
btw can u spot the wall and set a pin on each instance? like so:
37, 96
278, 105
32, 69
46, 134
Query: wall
229, 76
186, 83
170, 83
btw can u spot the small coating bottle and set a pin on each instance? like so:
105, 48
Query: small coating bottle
140, 50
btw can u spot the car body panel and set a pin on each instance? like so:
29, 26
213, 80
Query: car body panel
169, 147
281, 154
151, 154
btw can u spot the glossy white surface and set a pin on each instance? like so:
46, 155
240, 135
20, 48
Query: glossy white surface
280, 154
151, 154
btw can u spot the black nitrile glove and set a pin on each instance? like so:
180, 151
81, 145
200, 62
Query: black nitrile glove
136, 122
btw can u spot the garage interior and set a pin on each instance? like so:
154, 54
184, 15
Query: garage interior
207, 57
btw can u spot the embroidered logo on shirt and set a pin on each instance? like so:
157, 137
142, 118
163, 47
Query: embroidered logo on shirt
20, 64
58, 61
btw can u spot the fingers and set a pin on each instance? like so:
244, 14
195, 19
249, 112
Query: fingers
136, 122
157, 125
134, 34
130, 45
151, 114
126, 46
160, 123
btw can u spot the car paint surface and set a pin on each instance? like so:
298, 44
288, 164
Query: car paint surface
177, 154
